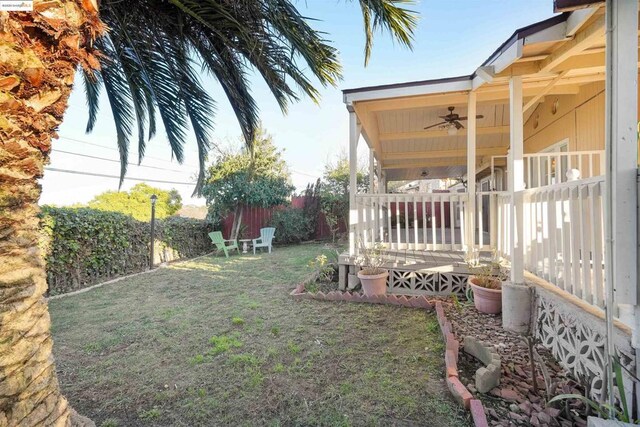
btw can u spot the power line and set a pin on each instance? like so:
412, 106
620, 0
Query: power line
113, 160
115, 149
304, 173
102, 175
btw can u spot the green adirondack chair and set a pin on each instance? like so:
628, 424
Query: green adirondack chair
222, 244
264, 241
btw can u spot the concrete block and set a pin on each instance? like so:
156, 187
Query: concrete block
487, 377
516, 307
353, 281
599, 422
342, 277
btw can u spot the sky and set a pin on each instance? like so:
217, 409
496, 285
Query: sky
453, 38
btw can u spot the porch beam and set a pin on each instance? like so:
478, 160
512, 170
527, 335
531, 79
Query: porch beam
395, 136
516, 180
471, 170
460, 161
543, 92
581, 41
440, 154
355, 128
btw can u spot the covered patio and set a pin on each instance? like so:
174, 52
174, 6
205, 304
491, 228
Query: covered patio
523, 139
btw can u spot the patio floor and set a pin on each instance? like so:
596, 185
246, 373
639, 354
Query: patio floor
218, 341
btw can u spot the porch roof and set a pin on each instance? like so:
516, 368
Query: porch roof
554, 57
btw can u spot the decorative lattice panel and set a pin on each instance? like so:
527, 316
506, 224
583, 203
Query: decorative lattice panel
577, 347
426, 282
401, 280
452, 283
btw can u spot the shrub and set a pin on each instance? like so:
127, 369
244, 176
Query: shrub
85, 246
291, 225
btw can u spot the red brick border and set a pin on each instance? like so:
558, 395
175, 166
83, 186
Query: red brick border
457, 389
392, 299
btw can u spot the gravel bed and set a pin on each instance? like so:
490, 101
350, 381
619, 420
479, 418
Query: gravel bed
514, 402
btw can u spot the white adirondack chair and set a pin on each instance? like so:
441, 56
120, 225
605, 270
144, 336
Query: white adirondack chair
264, 241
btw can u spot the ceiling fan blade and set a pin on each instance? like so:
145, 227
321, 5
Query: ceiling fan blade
479, 116
437, 124
458, 125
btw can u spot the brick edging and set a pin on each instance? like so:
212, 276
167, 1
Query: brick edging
391, 299
457, 389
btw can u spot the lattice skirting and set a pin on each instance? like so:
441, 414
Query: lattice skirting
426, 282
577, 341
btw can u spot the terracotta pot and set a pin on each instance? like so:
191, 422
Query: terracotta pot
374, 284
486, 300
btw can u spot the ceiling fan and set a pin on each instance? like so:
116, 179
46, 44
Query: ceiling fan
452, 119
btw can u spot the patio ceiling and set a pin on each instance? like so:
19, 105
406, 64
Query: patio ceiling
554, 57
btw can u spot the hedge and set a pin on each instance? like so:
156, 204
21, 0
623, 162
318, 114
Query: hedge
85, 246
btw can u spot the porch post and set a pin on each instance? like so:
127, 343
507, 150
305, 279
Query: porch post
380, 188
516, 294
371, 171
516, 180
354, 135
621, 153
471, 172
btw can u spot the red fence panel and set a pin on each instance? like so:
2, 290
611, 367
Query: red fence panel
254, 218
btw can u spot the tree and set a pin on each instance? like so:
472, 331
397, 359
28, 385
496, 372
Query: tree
148, 61
257, 177
334, 192
136, 202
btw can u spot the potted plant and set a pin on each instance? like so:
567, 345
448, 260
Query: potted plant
373, 277
486, 285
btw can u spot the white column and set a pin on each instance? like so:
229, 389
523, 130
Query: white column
372, 171
621, 153
471, 171
622, 148
354, 135
380, 188
516, 180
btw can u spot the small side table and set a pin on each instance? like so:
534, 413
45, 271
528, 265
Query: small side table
245, 245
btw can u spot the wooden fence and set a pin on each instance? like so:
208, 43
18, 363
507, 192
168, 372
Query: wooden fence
254, 218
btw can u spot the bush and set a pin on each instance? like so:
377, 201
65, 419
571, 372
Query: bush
85, 246
291, 225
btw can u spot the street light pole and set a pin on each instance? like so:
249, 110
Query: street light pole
153, 228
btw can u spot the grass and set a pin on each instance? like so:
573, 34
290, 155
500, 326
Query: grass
219, 341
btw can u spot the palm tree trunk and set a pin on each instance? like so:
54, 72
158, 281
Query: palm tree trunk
39, 54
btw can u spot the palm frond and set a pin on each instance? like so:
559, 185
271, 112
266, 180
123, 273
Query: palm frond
155, 48
92, 86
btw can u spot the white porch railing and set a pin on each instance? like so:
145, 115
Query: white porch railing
564, 236
431, 221
419, 221
542, 169
562, 229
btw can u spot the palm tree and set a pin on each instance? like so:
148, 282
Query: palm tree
147, 62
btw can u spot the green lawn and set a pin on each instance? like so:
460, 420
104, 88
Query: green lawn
219, 341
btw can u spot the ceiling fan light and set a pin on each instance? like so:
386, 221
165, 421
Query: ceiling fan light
452, 130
